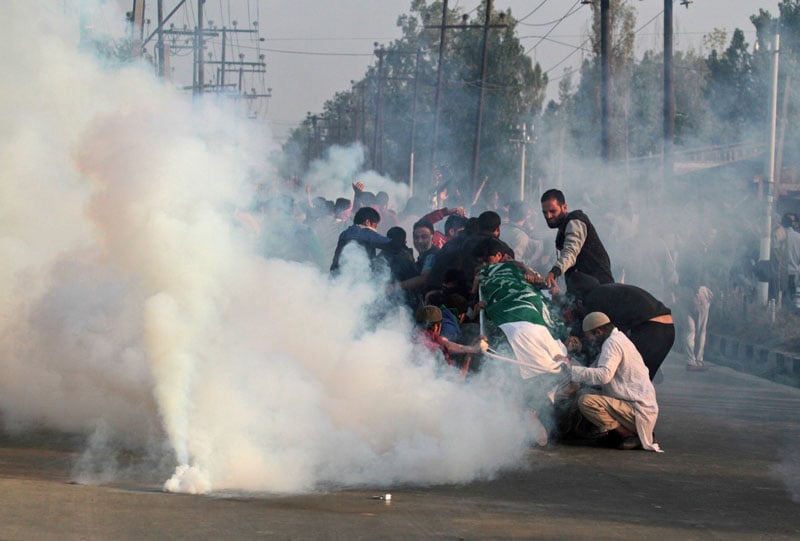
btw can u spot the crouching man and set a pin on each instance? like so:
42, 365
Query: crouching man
626, 403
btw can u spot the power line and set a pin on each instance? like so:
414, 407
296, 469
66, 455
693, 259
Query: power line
532, 12
563, 18
314, 53
580, 47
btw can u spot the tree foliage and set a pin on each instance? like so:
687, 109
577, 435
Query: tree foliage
721, 97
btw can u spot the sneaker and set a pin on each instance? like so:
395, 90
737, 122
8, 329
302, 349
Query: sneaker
630, 443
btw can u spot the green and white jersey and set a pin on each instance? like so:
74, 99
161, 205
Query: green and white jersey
509, 297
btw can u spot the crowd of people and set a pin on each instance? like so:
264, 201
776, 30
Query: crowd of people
586, 356
587, 346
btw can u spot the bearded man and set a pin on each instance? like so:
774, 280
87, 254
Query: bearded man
626, 403
582, 258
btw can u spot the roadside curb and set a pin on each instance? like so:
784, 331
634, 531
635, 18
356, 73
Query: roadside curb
780, 366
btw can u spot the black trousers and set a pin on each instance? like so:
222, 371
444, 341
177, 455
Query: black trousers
653, 340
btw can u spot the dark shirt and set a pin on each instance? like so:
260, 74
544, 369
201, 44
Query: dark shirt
364, 236
627, 306
593, 258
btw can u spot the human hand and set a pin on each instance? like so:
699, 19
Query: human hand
573, 344
358, 186
563, 359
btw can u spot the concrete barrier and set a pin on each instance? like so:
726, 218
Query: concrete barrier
756, 359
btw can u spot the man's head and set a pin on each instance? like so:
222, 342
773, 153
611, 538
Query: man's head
489, 223
429, 317
554, 208
422, 235
453, 224
368, 217
488, 251
382, 199
398, 235
342, 207
596, 327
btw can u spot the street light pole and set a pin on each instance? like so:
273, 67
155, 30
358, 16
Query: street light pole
766, 240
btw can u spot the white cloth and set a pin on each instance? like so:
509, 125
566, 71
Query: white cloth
534, 345
622, 374
792, 252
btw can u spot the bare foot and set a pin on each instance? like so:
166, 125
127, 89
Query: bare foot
539, 431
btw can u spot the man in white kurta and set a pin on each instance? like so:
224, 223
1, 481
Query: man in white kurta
627, 400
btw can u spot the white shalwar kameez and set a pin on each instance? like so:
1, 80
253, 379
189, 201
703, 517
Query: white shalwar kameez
622, 374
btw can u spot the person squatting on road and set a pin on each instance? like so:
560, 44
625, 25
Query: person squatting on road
626, 403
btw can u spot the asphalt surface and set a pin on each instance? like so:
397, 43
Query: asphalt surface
731, 470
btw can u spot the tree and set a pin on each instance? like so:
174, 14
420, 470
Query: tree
731, 92
622, 19
514, 93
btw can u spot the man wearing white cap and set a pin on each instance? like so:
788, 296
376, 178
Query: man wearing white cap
627, 403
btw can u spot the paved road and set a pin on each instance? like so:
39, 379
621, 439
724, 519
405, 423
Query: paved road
731, 470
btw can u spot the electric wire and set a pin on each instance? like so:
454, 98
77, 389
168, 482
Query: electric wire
519, 21
571, 11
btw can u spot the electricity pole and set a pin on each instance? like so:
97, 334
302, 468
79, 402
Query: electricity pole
199, 46
476, 153
669, 96
484, 60
605, 80
766, 240
377, 141
438, 99
523, 142
413, 127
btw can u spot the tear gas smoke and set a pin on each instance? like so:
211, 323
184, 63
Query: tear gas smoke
334, 175
134, 307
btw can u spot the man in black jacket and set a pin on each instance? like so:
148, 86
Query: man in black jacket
643, 318
582, 258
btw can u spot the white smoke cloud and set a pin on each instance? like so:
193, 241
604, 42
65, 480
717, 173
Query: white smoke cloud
333, 176
132, 307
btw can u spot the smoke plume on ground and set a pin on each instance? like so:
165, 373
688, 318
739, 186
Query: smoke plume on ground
135, 309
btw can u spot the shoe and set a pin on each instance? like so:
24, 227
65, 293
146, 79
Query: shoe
696, 367
630, 443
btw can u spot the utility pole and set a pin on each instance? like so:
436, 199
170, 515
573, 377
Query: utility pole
315, 135
605, 80
413, 127
377, 140
137, 18
476, 152
161, 53
484, 60
669, 98
240, 65
199, 78
766, 240
438, 99
523, 142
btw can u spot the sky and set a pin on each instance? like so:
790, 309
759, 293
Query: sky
314, 48
303, 82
